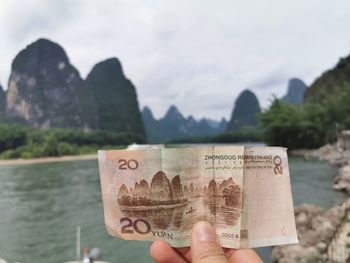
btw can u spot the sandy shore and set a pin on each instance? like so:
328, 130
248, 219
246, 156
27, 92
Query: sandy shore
49, 159
307, 153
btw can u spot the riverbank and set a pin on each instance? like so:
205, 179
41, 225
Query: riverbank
320, 230
317, 228
49, 159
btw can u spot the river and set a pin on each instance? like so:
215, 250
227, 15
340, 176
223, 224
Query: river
42, 204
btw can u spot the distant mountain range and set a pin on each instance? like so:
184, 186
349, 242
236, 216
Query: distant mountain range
175, 126
45, 90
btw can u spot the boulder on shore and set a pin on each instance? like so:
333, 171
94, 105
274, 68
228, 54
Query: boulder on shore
342, 181
315, 227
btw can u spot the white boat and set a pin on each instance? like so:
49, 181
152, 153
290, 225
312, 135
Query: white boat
78, 254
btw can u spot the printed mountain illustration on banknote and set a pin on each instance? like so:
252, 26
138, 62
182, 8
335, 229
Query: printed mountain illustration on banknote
224, 198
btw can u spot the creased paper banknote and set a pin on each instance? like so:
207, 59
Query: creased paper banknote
160, 193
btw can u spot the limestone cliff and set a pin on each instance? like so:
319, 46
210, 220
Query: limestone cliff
46, 91
116, 99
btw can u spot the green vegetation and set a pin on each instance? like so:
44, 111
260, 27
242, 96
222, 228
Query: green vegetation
331, 82
307, 126
244, 135
17, 141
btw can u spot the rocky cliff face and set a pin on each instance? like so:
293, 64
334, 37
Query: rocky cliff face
295, 92
175, 126
116, 99
245, 112
46, 91
2, 101
331, 82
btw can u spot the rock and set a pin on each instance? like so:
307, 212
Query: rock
161, 189
315, 228
342, 181
321, 246
294, 253
345, 173
245, 112
301, 219
46, 91
116, 99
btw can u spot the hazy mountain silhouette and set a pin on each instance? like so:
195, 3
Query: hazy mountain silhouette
115, 97
175, 126
245, 112
295, 92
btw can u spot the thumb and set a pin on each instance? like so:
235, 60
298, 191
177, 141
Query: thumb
204, 247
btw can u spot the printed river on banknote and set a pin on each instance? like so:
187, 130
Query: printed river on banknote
160, 193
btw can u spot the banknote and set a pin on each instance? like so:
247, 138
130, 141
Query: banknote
160, 193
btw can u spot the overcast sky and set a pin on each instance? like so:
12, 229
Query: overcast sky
198, 55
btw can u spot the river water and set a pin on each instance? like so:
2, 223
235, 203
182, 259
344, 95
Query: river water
41, 205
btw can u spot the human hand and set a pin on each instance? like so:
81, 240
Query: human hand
204, 249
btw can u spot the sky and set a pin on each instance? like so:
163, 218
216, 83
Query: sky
198, 55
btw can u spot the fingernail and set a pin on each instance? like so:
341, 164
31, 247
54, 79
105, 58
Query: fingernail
204, 231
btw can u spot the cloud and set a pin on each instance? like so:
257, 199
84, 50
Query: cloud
198, 55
